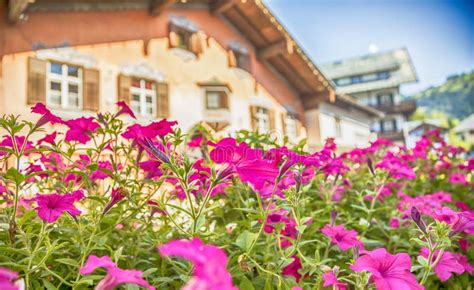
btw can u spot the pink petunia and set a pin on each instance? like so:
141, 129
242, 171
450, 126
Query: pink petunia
394, 223
47, 116
81, 129
115, 276
387, 271
195, 142
330, 279
7, 279
210, 264
15, 146
138, 132
49, 138
447, 265
343, 238
457, 178
115, 197
293, 268
51, 206
125, 109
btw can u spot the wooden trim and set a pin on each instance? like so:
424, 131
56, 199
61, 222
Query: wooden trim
220, 6
16, 8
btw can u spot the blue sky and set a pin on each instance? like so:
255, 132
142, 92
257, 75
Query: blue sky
439, 34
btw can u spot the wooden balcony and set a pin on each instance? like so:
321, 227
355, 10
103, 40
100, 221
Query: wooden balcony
394, 135
405, 107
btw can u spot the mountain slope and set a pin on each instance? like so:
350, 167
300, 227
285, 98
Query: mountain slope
455, 97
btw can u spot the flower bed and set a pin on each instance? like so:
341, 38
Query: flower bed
109, 204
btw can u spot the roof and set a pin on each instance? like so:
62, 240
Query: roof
465, 125
396, 61
347, 100
433, 123
274, 45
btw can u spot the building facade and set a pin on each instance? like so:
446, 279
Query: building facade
375, 80
227, 63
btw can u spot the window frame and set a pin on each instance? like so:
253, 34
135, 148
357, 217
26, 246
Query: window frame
291, 131
222, 101
143, 92
262, 116
64, 79
338, 126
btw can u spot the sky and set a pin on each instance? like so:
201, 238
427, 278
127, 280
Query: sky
439, 34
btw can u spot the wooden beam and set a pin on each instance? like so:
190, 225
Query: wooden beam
280, 47
220, 6
313, 100
16, 8
157, 6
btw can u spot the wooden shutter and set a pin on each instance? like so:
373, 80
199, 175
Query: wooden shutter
253, 118
223, 100
90, 92
271, 117
124, 84
232, 58
283, 123
196, 43
299, 126
173, 36
36, 81
162, 100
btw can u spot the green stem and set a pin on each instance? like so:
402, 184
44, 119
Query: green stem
33, 253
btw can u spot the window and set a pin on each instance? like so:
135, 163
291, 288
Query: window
343, 82
357, 79
262, 118
291, 127
64, 86
185, 36
385, 99
143, 97
337, 121
216, 99
389, 125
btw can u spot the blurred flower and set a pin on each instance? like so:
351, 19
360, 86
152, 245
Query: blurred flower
446, 266
394, 223
387, 271
7, 279
293, 268
343, 238
195, 142
330, 279
115, 276
116, 196
457, 178
19, 141
416, 217
210, 264
46, 117
125, 109
49, 138
51, 206
81, 129
138, 132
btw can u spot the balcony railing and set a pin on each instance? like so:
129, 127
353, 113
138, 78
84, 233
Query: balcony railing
393, 135
404, 107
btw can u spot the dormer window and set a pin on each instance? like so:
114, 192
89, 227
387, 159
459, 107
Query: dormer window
216, 99
184, 35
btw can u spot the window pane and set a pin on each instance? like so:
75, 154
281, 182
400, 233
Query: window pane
73, 100
135, 106
136, 83
72, 88
55, 68
55, 99
149, 99
148, 85
149, 110
73, 71
56, 86
136, 98
212, 100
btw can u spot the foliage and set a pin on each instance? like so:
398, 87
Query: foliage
117, 205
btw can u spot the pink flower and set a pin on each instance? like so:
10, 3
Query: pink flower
330, 279
387, 271
195, 142
457, 178
125, 109
447, 265
151, 168
139, 132
462, 260
115, 276
116, 196
210, 263
293, 268
464, 223
396, 167
41, 109
49, 138
7, 279
289, 231
394, 223
343, 238
81, 129
19, 141
101, 173
51, 206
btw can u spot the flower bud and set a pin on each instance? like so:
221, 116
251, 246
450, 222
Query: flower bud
416, 216
370, 164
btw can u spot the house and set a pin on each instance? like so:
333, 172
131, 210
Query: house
414, 130
375, 80
230, 64
465, 130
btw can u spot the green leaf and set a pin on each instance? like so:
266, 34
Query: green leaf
245, 284
244, 240
48, 285
15, 175
68, 261
422, 261
149, 271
